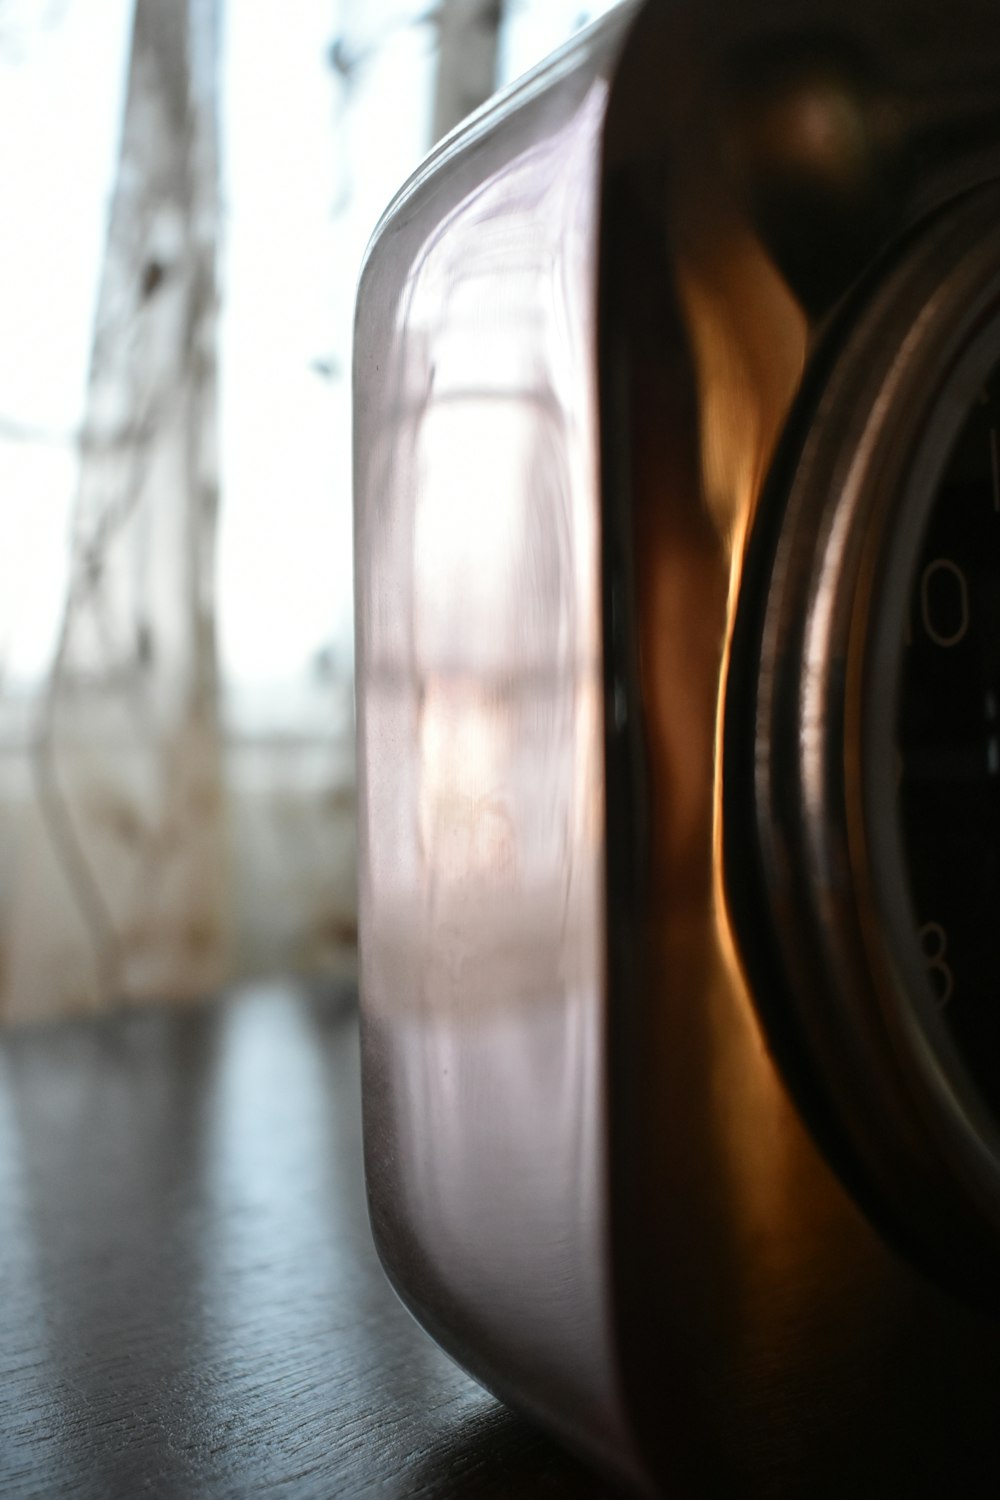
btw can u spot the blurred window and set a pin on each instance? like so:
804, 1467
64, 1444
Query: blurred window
186, 196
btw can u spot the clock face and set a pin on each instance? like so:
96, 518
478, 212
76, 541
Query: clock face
947, 762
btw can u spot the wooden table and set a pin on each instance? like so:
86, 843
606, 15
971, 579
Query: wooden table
190, 1303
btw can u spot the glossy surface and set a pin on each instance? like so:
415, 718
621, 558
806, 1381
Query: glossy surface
480, 725
190, 1302
589, 1169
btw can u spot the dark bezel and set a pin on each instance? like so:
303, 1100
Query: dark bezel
824, 920
967, 1127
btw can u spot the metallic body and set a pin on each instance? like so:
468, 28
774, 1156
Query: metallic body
582, 328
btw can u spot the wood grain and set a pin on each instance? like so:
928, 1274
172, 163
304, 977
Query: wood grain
190, 1303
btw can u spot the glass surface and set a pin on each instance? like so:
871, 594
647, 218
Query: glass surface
948, 765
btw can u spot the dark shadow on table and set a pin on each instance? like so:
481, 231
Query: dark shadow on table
497, 1456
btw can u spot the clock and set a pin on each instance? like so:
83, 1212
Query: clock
677, 412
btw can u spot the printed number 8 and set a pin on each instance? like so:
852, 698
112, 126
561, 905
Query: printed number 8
934, 946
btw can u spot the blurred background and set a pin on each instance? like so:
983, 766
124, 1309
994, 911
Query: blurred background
186, 191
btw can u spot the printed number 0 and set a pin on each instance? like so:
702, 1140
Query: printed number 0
955, 630
934, 946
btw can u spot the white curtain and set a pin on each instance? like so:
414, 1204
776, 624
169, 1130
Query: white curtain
176, 697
